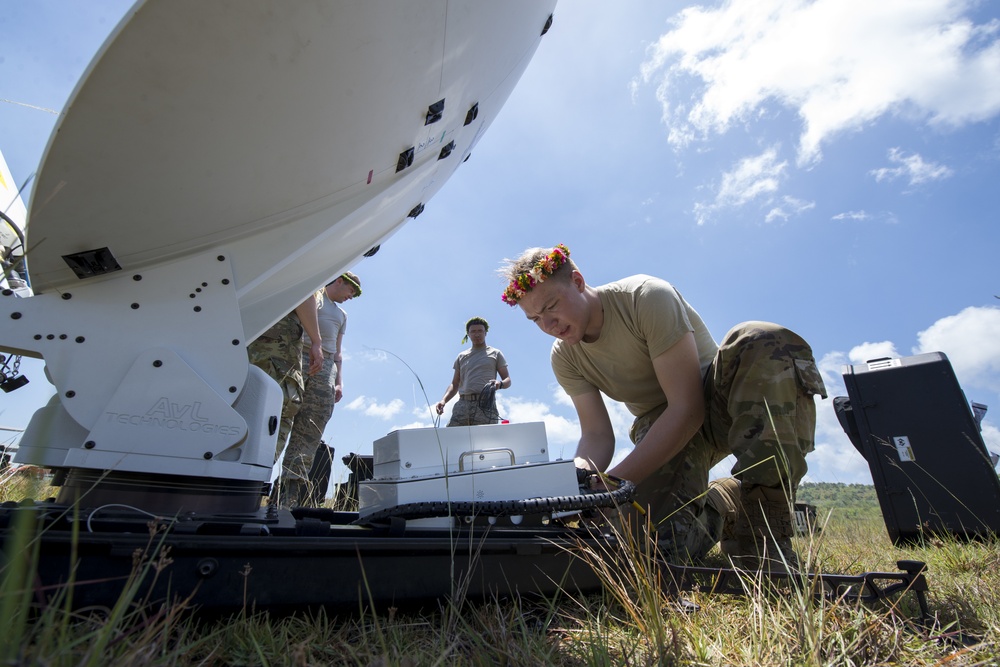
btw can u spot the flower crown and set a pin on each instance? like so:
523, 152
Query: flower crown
542, 269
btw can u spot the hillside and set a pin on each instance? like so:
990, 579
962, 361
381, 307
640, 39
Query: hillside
845, 501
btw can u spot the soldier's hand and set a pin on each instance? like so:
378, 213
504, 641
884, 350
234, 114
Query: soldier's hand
315, 358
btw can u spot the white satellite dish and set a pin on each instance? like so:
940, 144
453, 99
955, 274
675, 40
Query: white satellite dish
218, 161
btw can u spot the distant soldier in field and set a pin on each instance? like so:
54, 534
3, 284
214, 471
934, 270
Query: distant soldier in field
475, 379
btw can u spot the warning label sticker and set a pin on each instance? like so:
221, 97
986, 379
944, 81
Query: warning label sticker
903, 448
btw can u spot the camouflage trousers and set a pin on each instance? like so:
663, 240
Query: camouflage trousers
278, 352
468, 413
314, 413
759, 406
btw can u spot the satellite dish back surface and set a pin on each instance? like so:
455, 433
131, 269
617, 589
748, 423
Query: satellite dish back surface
277, 132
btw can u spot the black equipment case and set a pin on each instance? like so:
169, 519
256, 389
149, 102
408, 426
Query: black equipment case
910, 420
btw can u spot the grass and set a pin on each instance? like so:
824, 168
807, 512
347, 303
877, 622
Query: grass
632, 623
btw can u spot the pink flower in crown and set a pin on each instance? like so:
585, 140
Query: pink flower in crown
542, 269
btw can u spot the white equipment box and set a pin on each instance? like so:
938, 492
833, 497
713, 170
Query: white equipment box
419, 452
521, 482
464, 464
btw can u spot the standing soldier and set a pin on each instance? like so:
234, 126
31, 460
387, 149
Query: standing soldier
475, 380
322, 390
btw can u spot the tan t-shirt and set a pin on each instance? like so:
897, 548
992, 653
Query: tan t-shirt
477, 367
643, 317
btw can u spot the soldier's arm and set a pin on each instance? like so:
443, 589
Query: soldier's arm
456, 382
338, 361
597, 437
309, 318
504, 378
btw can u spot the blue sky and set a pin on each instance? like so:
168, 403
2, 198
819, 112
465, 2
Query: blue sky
829, 165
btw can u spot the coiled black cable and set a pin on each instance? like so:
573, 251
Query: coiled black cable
586, 500
487, 401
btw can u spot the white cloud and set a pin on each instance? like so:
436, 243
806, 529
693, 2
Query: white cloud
970, 340
831, 367
790, 206
863, 215
835, 459
372, 408
749, 179
991, 436
752, 177
414, 424
864, 352
561, 433
839, 64
852, 215
911, 167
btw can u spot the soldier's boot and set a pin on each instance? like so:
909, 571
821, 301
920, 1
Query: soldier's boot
724, 497
289, 493
764, 530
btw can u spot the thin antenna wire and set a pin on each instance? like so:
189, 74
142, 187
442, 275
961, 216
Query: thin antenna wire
435, 418
30, 106
444, 465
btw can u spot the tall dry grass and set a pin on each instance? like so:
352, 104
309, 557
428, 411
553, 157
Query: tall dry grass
634, 622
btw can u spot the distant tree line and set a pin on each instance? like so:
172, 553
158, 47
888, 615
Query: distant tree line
844, 500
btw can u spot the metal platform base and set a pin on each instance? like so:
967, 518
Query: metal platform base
295, 560
308, 559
